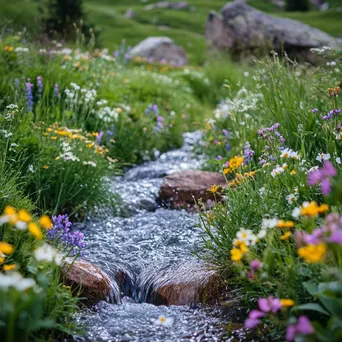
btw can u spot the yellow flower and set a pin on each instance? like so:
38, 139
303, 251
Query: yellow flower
35, 230
45, 134
285, 224
2, 260
45, 222
9, 210
94, 134
293, 172
6, 248
214, 188
313, 209
24, 216
313, 253
287, 302
236, 254
49, 129
63, 133
9, 267
286, 236
9, 48
89, 145
45, 167
53, 138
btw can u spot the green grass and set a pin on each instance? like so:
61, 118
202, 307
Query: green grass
186, 28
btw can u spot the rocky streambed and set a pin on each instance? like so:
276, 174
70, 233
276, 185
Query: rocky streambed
147, 256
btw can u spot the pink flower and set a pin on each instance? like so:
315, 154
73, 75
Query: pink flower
302, 327
322, 176
253, 319
255, 264
269, 304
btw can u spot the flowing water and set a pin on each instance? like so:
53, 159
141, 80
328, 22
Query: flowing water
138, 250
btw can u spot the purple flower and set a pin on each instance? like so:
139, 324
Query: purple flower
219, 158
40, 86
303, 327
255, 264
29, 96
16, 82
322, 176
269, 304
248, 153
226, 133
56, 90
99, 138
264, 133
253, 319
61, 233
315, 110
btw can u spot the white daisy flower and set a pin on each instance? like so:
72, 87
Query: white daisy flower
323, 156
163, 321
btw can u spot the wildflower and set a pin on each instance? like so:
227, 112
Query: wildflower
269, 304
313, 253
269, 223
56, 90
164, 321
48, 253
291, 198
278, 170
322, 176
285, 224
40, 86
254, 319
293, 172
236, 254
247, 236
45, 167
15, 280
288, 153
248, 153
315, 110
29, 96
6, 248
333, 92
286, 236
323, 156
233, 164
287, 303
10, 267
45, 222
303, 327
62, 233
35, 230
214, 189
255, 265
313, 209
24, 216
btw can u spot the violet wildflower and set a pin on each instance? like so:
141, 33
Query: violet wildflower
61, 233
331, 114
219, 158
226, 133
16, 82
40, 86
99, 138
269, 304
303, 327
333, 226
248, 153
152, 108
322, 176
315, 110
255, 265
253, 319
56, 90
160, 123
264, 133
29, 96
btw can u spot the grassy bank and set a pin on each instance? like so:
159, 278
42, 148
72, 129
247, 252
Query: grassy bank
276, 235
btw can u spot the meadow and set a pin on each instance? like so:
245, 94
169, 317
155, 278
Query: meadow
72, 116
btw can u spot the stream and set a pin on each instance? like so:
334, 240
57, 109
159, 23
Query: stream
142, 246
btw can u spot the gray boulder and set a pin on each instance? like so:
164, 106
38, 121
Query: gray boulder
162, 50
242, 29
182, 5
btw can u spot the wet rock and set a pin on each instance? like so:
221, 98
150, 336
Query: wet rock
161, 49
87, 280
243, 30
183, 284
130, 14
181, 5
183, 189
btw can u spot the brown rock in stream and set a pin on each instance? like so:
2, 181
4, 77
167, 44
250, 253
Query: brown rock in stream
183, 189
184, 284
89, 280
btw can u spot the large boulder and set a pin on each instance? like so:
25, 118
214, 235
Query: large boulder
88, 281
183, 284
183, 189
242, 29
161, 49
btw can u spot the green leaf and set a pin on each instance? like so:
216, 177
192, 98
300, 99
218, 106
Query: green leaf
313, 307
312, 288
